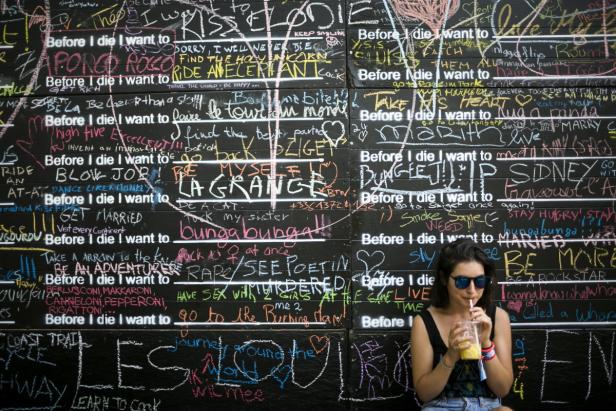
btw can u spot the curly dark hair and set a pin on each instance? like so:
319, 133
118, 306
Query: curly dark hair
461, 250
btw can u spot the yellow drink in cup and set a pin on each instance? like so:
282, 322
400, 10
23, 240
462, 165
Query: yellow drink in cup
472, 352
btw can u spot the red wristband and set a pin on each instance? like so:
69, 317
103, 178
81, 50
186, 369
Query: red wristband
488, 349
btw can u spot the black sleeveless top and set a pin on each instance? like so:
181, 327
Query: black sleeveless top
465, 379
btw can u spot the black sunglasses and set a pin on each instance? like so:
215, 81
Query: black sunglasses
461, 282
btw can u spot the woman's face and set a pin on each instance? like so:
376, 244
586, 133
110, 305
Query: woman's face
461, 298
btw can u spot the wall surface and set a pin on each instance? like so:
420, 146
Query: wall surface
238, 204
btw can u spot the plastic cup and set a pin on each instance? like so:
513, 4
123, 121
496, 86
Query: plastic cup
472, 352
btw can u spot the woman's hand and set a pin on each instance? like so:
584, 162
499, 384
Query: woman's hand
457, 341
485, 325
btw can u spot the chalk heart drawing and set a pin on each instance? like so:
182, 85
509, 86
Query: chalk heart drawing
247, 354
371, 260
36, 127
523, 100
430, 12
319, 343
333, 131
329, 171
514, 306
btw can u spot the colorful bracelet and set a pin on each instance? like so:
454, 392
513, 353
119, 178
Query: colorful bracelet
489, 348
488, 357
489, 353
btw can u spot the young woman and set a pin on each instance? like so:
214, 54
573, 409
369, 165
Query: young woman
461, 292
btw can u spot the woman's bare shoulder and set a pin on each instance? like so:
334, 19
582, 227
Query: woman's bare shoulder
434, 310
502, 316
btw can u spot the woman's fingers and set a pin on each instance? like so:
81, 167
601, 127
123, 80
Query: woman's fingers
485, 323
459, 342
477, 314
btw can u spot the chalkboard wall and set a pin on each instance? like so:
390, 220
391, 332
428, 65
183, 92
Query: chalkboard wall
237, 204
